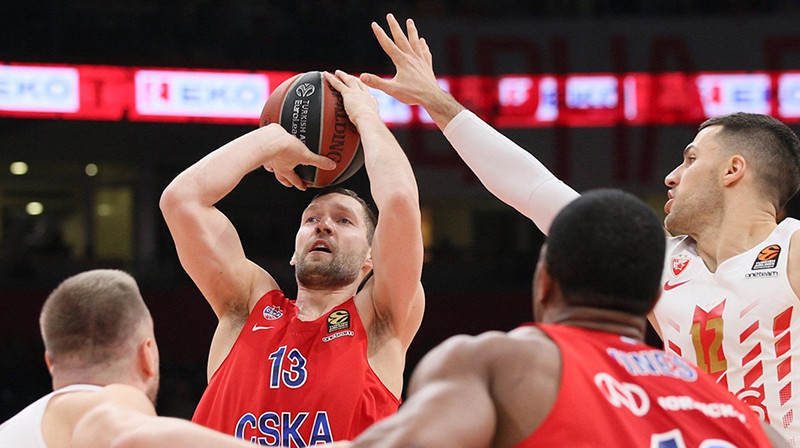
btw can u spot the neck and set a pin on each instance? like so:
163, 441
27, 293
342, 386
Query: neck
610, 321
97, 375
740, 229
313, 303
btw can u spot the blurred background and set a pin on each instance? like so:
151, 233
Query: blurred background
87, 193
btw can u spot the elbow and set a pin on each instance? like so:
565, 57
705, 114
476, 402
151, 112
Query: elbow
404, 199
172, 199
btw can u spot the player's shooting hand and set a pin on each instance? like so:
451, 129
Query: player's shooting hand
358, 102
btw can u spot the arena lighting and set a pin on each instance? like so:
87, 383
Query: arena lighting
116, 93
90, 169
18, 168
34, 208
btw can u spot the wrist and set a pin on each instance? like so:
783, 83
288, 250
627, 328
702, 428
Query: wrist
442, 107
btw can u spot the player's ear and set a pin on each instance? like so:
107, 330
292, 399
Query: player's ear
543, 284
734, 170
48, 361
147, 358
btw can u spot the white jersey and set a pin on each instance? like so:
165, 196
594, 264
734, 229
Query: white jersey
741, 323
24, 430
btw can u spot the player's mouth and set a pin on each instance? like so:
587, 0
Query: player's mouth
670, 200
320, 247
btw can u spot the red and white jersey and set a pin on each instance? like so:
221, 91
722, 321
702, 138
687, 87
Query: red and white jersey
288, 382
618, 392
741, 323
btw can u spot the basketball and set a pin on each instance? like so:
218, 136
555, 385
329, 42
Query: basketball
310, 109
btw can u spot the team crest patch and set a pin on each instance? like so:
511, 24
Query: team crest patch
767, 258
679, 263
272, 312
338, 320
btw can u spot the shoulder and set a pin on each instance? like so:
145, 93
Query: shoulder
488, 349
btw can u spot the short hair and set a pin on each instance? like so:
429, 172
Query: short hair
370, 218
92, 316
606, 250
771, 145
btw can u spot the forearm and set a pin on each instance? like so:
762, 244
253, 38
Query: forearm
217, 174
387, 166
509, 172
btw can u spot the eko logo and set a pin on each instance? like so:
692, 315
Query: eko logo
305, 90
620, 394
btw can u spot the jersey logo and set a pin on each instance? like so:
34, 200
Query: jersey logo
679, 263
767, 258
257, 327
338, 320
668, 285
622, 394
272, 312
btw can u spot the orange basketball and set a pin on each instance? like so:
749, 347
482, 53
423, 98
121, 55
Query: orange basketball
310, 109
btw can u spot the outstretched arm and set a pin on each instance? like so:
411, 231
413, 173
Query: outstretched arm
208, 245
505, 169
109, 426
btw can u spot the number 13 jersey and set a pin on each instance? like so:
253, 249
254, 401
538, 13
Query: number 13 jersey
740, 323
288, 382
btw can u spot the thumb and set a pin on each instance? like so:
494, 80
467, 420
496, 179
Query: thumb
376, 82
321, 162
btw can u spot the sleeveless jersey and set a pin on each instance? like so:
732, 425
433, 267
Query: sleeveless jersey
24, 430
740, 323
288, 382
617, 392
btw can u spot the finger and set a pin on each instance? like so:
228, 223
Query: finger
385, 41
283, 180
426, 51
413, 36
348, 79
351, 81
294, 180
400, 39
334, 81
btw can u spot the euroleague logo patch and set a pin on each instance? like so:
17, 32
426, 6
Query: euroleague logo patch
767, 258
338, 320
272, 312
305, 90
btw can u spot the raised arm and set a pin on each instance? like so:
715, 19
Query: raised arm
509, 172
208, 245
397, 250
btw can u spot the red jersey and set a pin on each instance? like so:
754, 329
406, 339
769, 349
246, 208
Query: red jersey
616, 391
288, 382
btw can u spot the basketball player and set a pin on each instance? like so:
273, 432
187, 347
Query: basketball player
729, 297
326, 365
582, 376
100, 350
